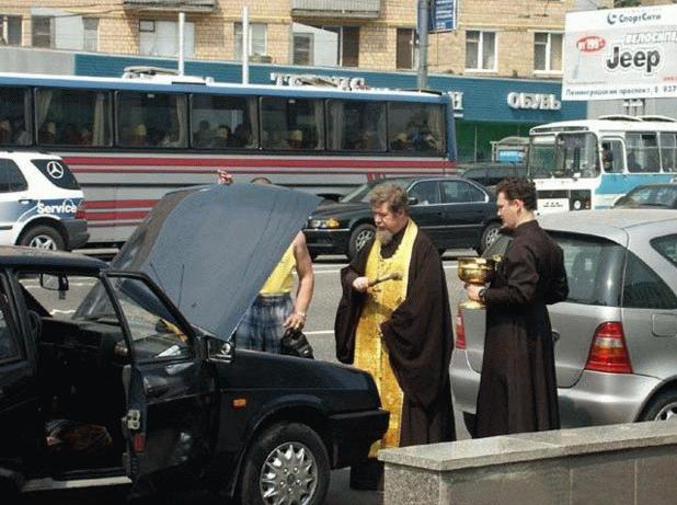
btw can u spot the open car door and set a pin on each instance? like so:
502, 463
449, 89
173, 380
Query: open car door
169, 387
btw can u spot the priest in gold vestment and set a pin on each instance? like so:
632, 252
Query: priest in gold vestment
394, 322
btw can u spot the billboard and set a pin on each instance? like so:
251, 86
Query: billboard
620, 54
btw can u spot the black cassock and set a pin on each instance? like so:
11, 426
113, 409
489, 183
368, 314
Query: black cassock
518, 387
418, 337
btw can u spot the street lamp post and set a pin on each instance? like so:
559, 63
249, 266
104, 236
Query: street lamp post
423, 13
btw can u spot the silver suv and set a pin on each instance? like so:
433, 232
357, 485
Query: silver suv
616, 334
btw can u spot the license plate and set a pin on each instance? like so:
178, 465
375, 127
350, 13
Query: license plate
552, 205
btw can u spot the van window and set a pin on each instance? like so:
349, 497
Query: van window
666, 247
643, 289
223, 122
57, 172
11, 178
594, 267
152, 120
15, 116
356, 126
292, 123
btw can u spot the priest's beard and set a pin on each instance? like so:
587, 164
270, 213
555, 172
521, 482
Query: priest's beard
384, 236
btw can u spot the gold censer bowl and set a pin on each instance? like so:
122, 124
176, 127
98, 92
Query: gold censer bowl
478, 271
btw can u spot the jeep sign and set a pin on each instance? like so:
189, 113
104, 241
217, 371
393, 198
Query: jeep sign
621, 54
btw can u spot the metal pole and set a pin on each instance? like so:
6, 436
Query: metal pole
423, 8
245, 45
182, 22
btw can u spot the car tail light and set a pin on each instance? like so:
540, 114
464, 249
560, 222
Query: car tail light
608, 352
80, 211
460, 331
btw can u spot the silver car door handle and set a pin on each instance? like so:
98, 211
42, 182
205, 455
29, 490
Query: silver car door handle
26, 201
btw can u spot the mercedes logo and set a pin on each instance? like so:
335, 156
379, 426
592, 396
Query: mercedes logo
55, 170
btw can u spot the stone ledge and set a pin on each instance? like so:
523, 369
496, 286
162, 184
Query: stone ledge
532, 446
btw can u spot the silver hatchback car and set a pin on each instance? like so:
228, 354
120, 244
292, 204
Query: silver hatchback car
616, 334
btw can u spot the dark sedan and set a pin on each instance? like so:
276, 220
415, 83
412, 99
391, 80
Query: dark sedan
650, 196
455, 212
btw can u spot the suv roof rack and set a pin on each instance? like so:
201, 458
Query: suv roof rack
619, 117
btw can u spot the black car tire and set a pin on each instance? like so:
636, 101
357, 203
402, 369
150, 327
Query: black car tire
277, 443
43, 234
489, 235
662, 407
360, 236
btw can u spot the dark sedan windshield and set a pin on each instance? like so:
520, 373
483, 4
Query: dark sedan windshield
361, 193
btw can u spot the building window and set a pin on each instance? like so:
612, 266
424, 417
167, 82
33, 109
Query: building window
43, 33
480, 50
406, 55
258, 40
348, 45
10, 30
90, 41
161, 38
303, 49
548, 52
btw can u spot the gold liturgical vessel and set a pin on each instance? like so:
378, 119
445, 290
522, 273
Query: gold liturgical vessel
478, 271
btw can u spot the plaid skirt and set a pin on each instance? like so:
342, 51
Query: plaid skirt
261, 328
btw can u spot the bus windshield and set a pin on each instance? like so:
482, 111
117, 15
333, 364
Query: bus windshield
541, 157
576, 155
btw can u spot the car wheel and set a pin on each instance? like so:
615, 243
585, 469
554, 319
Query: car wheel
489, 235
287, 463
43, 237
360, 237
661, 408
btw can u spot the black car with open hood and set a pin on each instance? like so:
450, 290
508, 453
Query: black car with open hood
147, 340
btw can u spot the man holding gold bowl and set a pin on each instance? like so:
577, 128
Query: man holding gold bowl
518, 387
394, 321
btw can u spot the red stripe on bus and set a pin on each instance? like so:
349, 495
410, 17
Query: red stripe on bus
119, 204
249, 162
115, 216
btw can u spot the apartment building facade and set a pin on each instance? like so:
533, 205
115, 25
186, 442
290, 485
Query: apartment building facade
505, 38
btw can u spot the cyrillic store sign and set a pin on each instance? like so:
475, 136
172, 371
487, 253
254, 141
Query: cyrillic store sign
621, 53
534, 101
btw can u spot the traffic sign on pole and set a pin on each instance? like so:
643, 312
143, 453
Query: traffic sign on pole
443, 16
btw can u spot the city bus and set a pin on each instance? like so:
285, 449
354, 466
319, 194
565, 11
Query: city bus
589, 164
129, 140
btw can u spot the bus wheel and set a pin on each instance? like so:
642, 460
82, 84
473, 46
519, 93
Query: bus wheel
43, 237
359, 238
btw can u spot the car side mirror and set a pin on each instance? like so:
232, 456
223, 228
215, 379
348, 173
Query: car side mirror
218, 350
413, 200
54, 282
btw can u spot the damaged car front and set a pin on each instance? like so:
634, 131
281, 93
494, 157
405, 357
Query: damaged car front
196, 408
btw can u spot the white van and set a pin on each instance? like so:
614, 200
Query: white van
41, 203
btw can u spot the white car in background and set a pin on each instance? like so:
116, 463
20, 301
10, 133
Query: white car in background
41, 203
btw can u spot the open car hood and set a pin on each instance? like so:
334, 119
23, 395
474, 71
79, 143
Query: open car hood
212, 248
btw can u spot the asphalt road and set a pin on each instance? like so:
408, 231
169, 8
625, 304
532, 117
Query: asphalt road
319, 330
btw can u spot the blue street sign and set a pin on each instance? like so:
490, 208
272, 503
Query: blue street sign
443, 14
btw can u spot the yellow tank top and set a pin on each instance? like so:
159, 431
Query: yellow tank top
281, 281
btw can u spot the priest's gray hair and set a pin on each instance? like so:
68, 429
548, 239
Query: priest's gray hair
395, 196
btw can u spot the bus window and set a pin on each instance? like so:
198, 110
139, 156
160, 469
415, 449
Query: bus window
356, 126
73, 117
576, 156
15, 123
151, 120
669, 151
642, 149
612, 156
416, 127
220, 122
292, 123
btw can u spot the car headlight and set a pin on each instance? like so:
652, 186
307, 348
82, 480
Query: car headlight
330, 223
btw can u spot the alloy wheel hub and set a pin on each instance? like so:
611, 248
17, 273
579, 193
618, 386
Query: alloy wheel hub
289, 475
